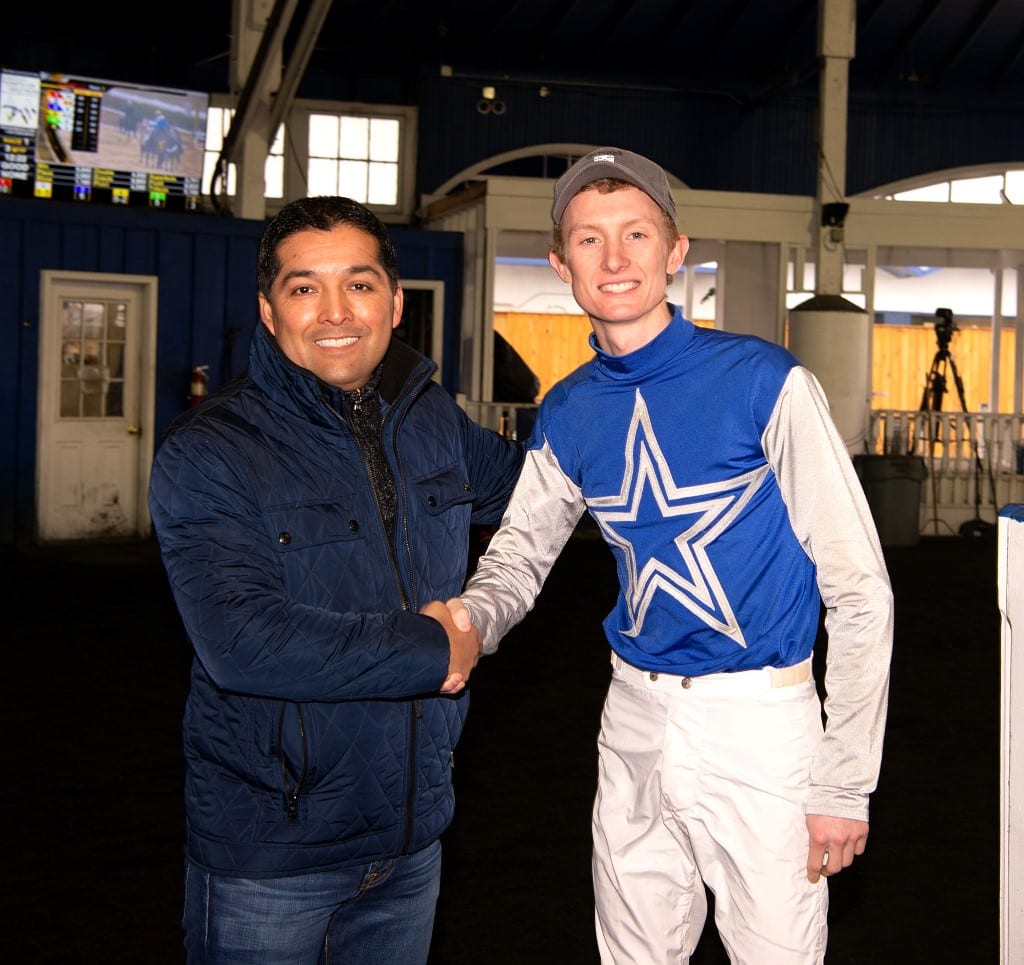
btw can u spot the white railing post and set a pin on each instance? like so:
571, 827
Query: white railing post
1010, 582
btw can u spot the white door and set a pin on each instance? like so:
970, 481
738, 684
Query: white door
95, 426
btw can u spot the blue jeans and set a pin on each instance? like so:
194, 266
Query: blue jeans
381, 912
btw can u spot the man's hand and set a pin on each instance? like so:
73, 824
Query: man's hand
459, 613
464, 645
833, 844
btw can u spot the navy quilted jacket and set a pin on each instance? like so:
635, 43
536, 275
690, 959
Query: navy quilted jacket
314, 733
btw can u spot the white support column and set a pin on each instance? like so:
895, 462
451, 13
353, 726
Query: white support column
486, 329
1018, 367
831, 337
749, 275
1010, 562
836, 37
829, 334
997, 332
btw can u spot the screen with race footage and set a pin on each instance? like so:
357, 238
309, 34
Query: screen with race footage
101, 141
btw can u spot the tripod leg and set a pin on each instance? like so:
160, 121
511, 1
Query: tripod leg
977, 526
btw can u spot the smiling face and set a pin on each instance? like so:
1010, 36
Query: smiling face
331, 305
617, 254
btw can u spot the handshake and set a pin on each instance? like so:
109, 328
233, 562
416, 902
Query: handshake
463, 640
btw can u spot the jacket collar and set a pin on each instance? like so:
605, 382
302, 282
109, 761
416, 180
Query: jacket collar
300, 391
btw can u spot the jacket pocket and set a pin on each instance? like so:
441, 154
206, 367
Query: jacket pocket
321, 549
300, 526
440, 509
440, 491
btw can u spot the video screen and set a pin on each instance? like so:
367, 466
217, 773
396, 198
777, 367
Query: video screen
84, 139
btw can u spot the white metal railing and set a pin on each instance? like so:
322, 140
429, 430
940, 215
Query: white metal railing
972, 462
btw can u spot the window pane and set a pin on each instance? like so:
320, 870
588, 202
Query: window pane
92, 392
94, 347
383, 187
217, 121
384, 139
115, 378
323, 137
1015, 186
93, 320
278, 146
209, 165
352, 177
71, 320
273, 177
355, 137
322, 177
932, 192
116, 322
977, 190
115, 360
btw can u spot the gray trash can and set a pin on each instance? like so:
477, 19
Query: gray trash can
892, 485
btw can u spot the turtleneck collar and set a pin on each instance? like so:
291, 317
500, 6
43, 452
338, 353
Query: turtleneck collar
650, 358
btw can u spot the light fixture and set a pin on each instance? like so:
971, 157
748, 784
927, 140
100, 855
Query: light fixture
488, 103
834, 215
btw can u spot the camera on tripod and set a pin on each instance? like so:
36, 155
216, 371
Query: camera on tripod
945, 326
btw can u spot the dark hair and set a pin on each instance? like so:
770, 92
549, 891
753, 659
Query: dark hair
321, 214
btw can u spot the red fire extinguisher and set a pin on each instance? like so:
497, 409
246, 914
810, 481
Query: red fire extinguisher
197, 388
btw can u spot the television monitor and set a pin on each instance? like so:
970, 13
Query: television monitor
84, 139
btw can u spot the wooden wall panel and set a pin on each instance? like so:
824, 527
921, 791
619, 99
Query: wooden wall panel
904, 355
553, 345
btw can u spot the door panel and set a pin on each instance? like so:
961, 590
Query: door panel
95, 427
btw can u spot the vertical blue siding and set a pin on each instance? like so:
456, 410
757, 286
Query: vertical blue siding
206, 307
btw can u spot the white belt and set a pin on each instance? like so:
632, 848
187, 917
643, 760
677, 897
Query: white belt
739, 681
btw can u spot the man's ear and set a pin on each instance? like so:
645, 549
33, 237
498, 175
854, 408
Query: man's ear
266, 313
561, 269
396, 314
677, 255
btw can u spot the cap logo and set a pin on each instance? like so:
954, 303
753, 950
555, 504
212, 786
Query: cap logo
605, 158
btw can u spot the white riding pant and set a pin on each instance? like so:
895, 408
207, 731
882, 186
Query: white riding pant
703, 781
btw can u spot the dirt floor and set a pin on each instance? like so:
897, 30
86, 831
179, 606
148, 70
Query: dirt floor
96, 683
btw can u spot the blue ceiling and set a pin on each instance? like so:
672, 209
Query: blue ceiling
748, 50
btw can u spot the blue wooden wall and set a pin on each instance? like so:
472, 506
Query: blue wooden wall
206, 266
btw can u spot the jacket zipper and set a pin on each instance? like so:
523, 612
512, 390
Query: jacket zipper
405, 601
291, 792
401, 519
410, 793
408, 601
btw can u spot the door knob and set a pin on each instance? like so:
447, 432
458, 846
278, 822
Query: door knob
134, 430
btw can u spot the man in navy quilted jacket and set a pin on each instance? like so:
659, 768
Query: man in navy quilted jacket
310, 515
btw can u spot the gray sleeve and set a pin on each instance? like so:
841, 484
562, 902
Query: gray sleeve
540, 518
831, 518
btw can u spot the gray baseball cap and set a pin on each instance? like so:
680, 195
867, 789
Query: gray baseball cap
613, 162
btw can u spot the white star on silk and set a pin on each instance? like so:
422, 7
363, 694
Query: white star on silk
692, 581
